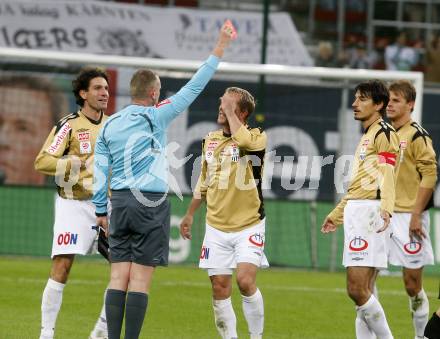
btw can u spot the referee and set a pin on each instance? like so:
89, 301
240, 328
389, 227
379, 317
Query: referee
130, 153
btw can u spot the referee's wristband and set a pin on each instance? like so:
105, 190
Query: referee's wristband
103, 214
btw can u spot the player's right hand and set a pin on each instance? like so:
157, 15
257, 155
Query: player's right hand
328, 226
185, 226
386, 220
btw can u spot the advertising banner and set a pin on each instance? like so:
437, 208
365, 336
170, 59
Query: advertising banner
146, 31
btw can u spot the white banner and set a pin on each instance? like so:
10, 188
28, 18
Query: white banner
135, 30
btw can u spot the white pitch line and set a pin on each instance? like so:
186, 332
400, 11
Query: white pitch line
207, 285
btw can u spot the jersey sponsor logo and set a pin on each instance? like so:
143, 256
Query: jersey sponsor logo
363, 152
58, 139
209, 155
212, 145
412, 247
232, 151
387, 158
83, 136
358, 244
67, 238
257, 239
163, 102
235, 153
204, 253
85, 147
403, 145
365, 142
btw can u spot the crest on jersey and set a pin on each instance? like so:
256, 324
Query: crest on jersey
403, 145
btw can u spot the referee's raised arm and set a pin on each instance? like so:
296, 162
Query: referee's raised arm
131, 156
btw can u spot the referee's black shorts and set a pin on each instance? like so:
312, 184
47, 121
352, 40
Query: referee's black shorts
139, 228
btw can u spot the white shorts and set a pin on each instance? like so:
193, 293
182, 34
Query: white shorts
403, 252
362, 245
72, 231
221, 251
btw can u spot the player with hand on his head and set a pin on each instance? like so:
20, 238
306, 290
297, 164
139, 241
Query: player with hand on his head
230, 183
366, 209
410, 244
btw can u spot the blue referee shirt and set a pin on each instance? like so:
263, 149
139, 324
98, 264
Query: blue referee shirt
131, 147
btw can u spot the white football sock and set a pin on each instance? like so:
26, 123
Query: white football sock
253, 309
374, 316
50, 306
101, 323
419, 307
362, 329
225, 319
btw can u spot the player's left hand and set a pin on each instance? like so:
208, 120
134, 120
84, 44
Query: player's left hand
415, 227
386, 220
328, 226
228, 105
103, 222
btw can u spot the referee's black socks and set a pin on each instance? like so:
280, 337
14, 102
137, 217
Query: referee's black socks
135, 309
432, 329
114, 311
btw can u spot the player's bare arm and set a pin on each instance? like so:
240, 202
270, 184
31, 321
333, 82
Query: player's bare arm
415, 225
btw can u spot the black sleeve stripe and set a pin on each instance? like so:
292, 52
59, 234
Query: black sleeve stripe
64, 120
420, 132
385, 128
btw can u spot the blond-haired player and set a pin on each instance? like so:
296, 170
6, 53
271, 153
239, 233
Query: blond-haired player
410, 244
230, 182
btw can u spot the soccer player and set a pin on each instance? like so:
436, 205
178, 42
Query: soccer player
230, 183
132, 145
68, 153
410, 244
366, 209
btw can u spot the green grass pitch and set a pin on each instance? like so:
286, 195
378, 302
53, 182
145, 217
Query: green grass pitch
298, 304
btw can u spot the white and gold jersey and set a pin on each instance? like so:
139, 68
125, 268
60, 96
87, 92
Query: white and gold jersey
231, 177
68, 153
374, 169
418, 165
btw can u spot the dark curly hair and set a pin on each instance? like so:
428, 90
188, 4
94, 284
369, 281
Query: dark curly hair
377, 91
82, 81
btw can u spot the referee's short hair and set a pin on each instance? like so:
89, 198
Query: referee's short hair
140, 82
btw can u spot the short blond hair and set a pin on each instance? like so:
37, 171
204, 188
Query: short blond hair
140, 82
246, 103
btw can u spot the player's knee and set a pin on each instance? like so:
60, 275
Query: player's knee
246, 284
220, 290
61, 269
357, 293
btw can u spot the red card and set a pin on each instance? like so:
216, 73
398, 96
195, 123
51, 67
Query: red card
234, 31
